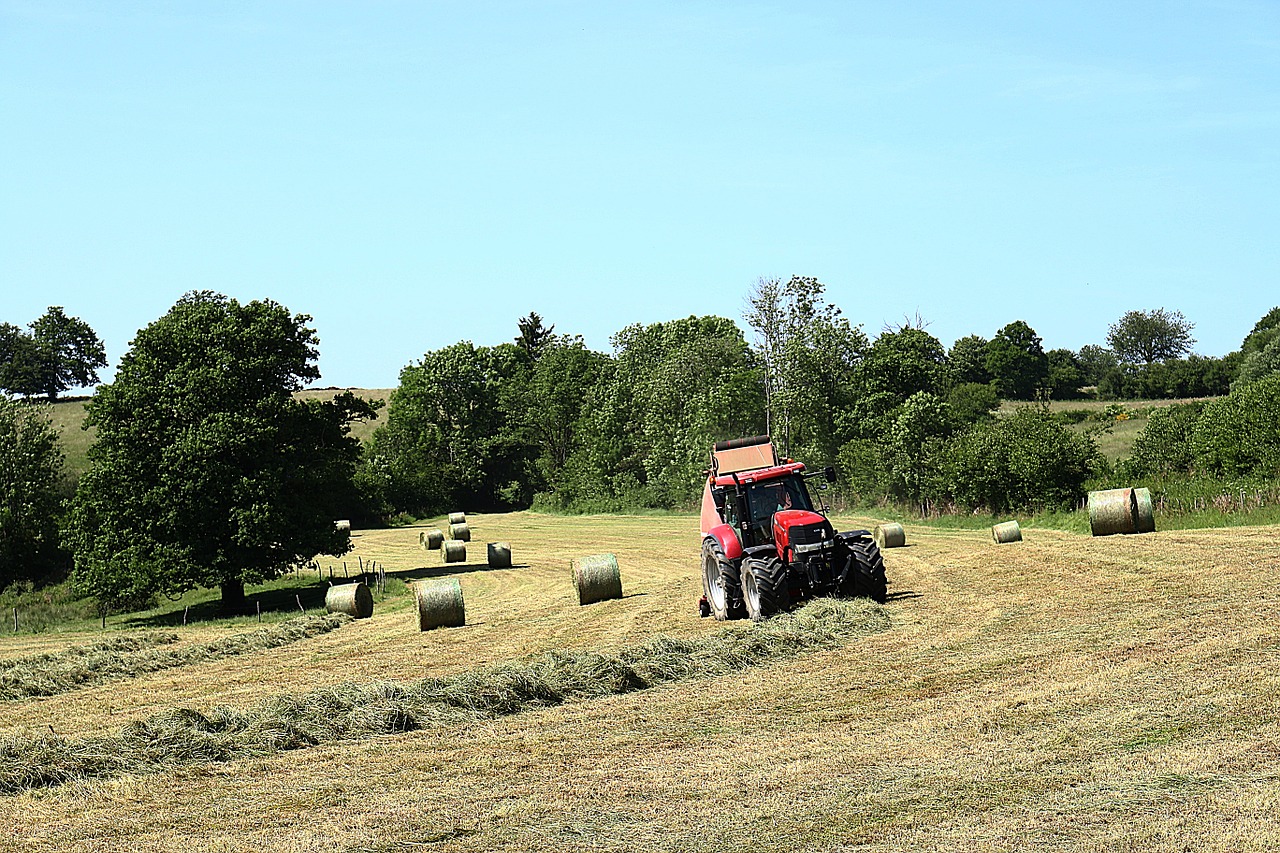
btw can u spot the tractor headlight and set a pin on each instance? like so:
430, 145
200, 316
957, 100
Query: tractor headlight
816, 546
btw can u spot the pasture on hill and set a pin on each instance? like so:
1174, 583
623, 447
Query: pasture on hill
1066, 692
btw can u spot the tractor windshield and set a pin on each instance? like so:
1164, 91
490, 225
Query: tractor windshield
775, 495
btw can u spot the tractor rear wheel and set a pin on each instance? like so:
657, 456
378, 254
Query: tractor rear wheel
720, 583
764, 586
867, 578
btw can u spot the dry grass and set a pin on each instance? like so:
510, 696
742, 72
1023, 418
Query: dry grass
1063, 692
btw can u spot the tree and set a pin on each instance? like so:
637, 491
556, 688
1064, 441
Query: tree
207, 471
455, 433
22, 364
73, 352
1145, 337
1095, 362
30, 500
1065, 375
1260, 351
1017, 362
533, 337
809, 354
968, 358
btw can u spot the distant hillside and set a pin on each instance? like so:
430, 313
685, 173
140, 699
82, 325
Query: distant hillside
68, 416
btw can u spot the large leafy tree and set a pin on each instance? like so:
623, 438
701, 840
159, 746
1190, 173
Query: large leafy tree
22, 364
207, 471
1017, 361
30, 495
1145, 337
72, 351
809, 354
455, 434
968, 358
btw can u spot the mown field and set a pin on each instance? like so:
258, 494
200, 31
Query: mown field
1060, 693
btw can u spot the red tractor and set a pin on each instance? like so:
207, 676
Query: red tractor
765, 547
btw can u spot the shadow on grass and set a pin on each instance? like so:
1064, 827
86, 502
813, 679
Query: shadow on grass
905, 595
426, 572
284, 599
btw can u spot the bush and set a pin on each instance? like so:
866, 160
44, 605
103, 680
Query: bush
972, 402
1239, 435
1028, 460
1164, 445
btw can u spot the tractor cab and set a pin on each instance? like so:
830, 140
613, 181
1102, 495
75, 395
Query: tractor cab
759, 502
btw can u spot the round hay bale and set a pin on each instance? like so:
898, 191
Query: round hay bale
1144, 512
889, 536
460, 532
454, 551
343, 524
353, 599
1005, 532
457, 518
499, 555
431, 539
597, 578
1112, 511
439, 604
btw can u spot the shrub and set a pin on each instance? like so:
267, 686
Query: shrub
1239, 435
1028, 460
1164, 445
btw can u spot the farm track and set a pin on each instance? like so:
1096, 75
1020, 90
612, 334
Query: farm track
1063, 692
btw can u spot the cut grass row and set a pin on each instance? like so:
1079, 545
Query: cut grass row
352, 711
130, 655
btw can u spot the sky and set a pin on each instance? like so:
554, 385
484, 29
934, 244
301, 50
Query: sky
412, 174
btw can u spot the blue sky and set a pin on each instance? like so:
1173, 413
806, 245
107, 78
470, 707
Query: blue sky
416, 173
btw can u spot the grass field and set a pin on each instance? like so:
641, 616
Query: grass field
1061, 693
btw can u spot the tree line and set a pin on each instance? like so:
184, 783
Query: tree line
208, 471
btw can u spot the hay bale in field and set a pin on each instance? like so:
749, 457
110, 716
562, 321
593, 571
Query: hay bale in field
499, 555
457, 518
460, 532
353, 599
454, 551
889, 535
1144, 512
1112, 511
431, 539
1005, 532
597, 578
343, 524
439, 604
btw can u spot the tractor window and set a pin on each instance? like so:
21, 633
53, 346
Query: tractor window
767, 498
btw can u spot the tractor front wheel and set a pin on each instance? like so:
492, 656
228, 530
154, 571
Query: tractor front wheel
867, 578
720, 583
764, 586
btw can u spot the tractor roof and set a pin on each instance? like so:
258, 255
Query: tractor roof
760, 475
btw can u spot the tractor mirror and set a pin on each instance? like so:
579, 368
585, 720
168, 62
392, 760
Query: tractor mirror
830, 474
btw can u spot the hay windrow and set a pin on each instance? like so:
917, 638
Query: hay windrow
349, 711
60, 672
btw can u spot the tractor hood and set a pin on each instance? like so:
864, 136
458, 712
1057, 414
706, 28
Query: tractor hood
800, 527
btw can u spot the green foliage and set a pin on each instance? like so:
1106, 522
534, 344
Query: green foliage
1026, 460
450, 439
1017, 362
968, 359
862, 469
1239, 434
30, 493
534, 337
810, 356
207, 472
1145, 337
915, 446
1165, 444
1194, 376
1095, 362
1266, 330
972, 402
1259, 364
61, 352
1065, 375
903, 362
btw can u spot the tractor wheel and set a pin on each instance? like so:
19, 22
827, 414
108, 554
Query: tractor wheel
764, 586
720, 583
868, 572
